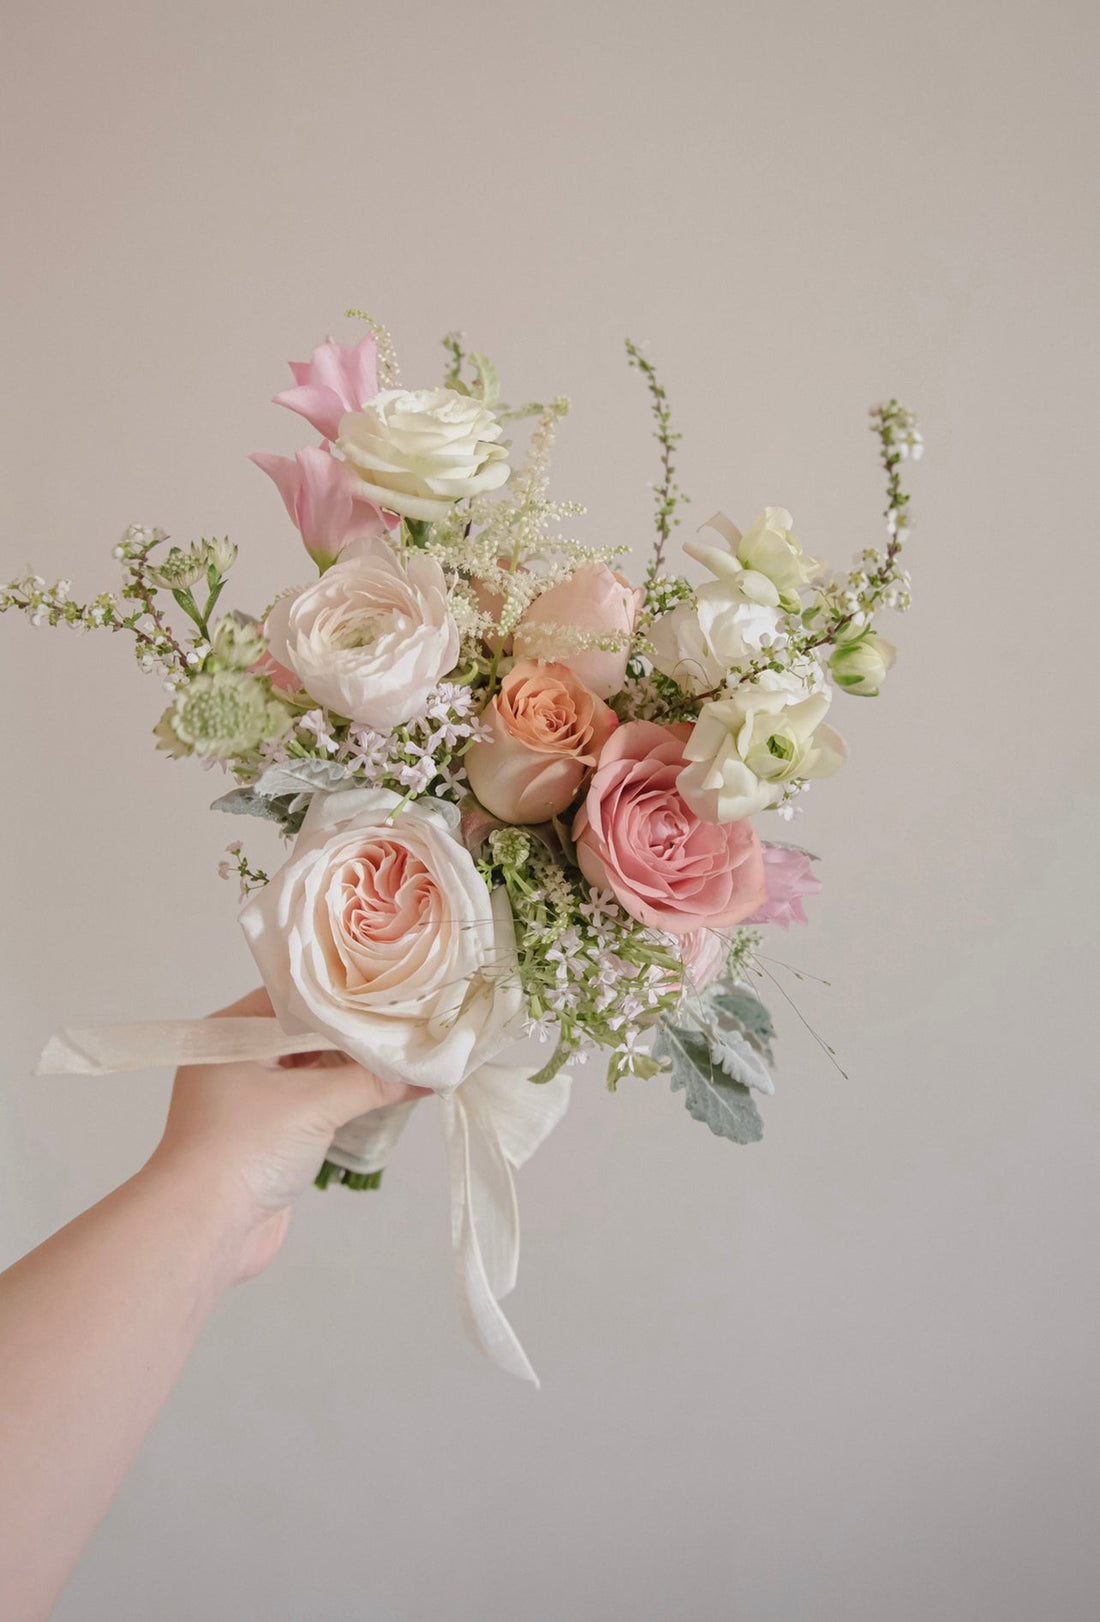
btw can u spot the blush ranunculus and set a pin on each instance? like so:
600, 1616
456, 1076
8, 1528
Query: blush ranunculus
325, 502
594, 600
371, 638
381, 934
789, 876
337, 378
541, 736
637, 836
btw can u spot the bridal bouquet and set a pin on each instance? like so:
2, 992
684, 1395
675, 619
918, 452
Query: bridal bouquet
527, 801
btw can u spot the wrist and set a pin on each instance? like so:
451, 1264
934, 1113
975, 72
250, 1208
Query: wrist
213, 1203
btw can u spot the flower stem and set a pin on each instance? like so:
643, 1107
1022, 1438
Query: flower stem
330, 1172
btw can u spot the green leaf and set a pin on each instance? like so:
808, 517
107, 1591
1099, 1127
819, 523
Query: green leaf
711, 1097
746, 1011
486, 382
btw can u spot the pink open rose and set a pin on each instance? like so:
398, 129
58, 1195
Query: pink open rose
637, 837
324, 500
542, 735
594, 601
337, 379
788, 876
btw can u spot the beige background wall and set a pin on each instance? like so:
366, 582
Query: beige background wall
847, 1375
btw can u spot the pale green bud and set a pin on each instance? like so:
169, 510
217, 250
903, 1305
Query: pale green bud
859, 665
237, 643
221, 555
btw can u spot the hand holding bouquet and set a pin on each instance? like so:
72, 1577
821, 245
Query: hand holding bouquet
520, 791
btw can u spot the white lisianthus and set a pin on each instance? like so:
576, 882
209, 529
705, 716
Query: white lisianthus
860, 663
381, 934
743, 748
371, 638
418, 451
769, 547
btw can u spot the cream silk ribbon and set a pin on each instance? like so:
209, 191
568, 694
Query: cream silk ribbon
492, 1124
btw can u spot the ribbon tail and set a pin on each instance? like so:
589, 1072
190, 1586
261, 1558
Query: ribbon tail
101, 1050
484, 1321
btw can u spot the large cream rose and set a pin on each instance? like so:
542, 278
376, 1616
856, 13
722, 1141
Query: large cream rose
744, 748
382, 935
371, 637
418, 451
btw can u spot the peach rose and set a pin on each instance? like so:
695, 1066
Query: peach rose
541, 736
637, 837
595, 599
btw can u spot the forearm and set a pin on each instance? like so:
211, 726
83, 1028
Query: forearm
95, 1326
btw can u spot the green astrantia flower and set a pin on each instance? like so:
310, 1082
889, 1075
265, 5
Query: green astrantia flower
221, 715
178, 569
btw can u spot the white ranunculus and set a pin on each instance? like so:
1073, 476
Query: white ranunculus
730, 622
739, 615
418, 451
743, 748
680, 650
382, 935
371, 638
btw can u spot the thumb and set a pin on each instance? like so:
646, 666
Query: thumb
344, 1090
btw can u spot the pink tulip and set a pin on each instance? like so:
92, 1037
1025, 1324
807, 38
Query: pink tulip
337, 379
322, 497
788, 877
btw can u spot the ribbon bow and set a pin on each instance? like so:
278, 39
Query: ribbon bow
492, 1123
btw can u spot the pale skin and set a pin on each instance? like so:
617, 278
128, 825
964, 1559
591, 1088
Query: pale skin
97, 1323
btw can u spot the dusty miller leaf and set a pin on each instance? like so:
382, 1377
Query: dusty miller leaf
711, 1097
738, 1006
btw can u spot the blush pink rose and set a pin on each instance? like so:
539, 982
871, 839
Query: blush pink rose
636, 836
337, 379
594, 599
541, 736
322, 496
789, 876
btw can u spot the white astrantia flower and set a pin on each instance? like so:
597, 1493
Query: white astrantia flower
371, 638
418, 451
746, 747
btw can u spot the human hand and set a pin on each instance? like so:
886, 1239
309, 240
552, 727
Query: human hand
254, 1135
